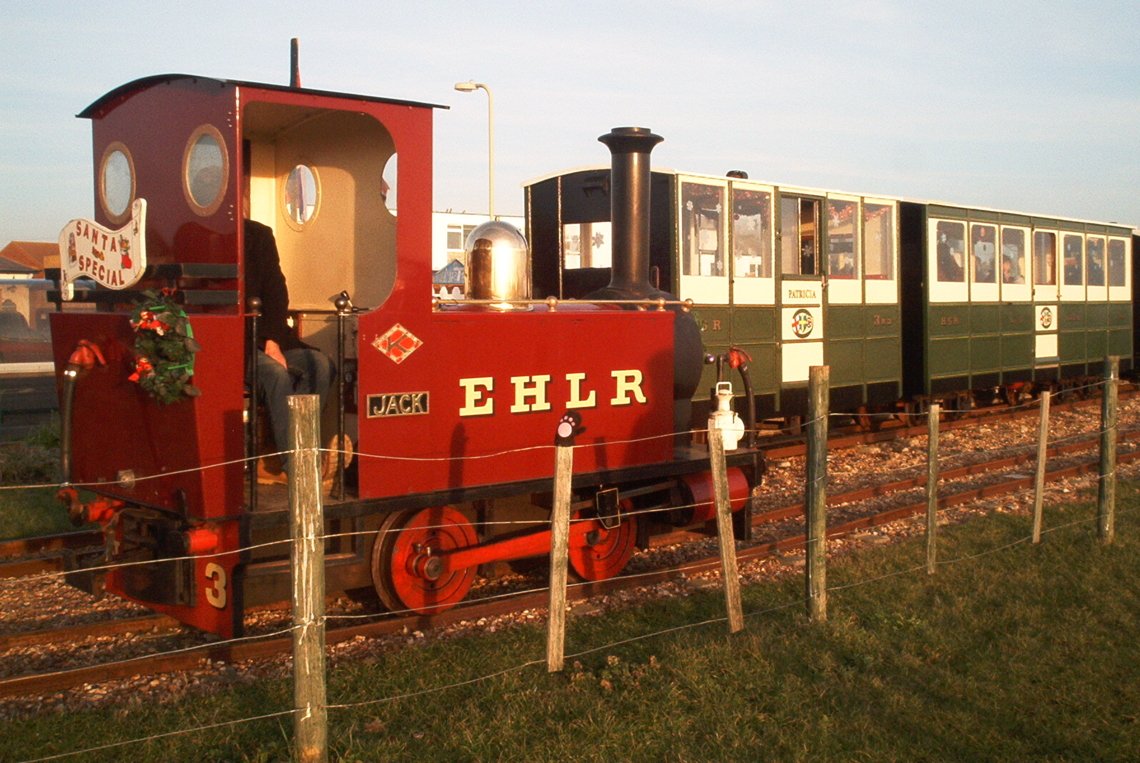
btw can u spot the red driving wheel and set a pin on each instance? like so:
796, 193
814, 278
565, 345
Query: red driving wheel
407, 571
606, 551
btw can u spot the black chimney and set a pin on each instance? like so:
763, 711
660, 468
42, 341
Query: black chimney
629, 212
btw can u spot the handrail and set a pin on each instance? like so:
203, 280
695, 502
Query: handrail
553, 303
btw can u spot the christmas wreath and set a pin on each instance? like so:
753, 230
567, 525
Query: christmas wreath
164, 348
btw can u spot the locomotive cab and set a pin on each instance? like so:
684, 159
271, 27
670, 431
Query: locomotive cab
173, 154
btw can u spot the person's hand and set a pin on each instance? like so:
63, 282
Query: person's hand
274, 351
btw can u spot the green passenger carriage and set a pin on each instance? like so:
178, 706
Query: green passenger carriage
1012, 300
908, 302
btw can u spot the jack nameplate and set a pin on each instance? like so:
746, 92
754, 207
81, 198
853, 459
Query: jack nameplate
397, 404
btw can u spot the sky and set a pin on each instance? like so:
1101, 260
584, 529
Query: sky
1025, 106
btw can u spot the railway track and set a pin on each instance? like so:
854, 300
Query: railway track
775, 532
89, 631
45, 554
31, 556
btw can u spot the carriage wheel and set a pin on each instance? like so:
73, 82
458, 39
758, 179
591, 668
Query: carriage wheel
867, 420
913, 414
607, 550
952, 409
1016, 394
406, 570
1011, 395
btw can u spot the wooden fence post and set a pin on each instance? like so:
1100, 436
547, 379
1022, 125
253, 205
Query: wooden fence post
1106, 496
560, 540
1042, 458
932, 487
815, 503
310, 722
725, 536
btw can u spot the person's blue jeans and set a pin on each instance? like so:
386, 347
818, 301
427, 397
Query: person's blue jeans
310, 372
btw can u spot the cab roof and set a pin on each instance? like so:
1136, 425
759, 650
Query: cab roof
124, 91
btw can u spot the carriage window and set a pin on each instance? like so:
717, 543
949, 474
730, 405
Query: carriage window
703, 250
983, 251
841, 254
1044, 258
1074, 259
752, 233
1094, 261
799, 222
586, 245
117, 186
301, 194
878, 240
951, 251
205, 170
1116, 262
1012, 255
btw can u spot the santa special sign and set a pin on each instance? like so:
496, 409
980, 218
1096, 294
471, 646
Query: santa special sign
114, 258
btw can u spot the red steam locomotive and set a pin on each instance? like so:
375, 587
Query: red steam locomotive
449, 405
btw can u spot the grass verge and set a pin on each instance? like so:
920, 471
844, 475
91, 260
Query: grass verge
29, 511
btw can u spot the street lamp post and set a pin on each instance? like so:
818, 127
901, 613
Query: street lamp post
470, 86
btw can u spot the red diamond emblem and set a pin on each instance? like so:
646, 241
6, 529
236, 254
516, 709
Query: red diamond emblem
397, 343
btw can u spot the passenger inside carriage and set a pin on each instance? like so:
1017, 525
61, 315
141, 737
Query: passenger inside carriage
982, 247
949, 261
984, 269
842, 265
1096, 262
1010, 273
1073, 264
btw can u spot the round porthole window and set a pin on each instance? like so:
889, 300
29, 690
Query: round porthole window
205, 170
301, 195
116, 182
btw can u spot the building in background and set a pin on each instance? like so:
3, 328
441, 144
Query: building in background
449, 258
24, 333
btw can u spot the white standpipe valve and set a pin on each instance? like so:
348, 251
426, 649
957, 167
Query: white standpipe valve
725, 419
